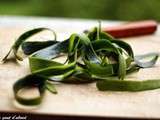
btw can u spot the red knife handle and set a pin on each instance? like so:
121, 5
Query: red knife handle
132, 29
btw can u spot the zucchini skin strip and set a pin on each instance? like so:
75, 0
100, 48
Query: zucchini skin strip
31, 47
149, 63
127, 85
21, 40
93, 56
30, 81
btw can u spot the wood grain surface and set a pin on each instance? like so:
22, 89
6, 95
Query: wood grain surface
81, 99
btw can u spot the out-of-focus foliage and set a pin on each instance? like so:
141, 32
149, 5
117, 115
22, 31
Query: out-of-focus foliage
98, 9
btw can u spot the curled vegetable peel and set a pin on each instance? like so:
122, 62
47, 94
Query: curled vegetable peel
93, 56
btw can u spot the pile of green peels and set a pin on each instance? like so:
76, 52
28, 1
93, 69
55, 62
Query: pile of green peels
92, 56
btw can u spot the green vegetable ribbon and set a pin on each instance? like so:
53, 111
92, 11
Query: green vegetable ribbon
93, 56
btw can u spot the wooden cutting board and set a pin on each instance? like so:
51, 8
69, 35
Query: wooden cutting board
82, 99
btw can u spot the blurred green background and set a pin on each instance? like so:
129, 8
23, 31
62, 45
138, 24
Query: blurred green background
92, 9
